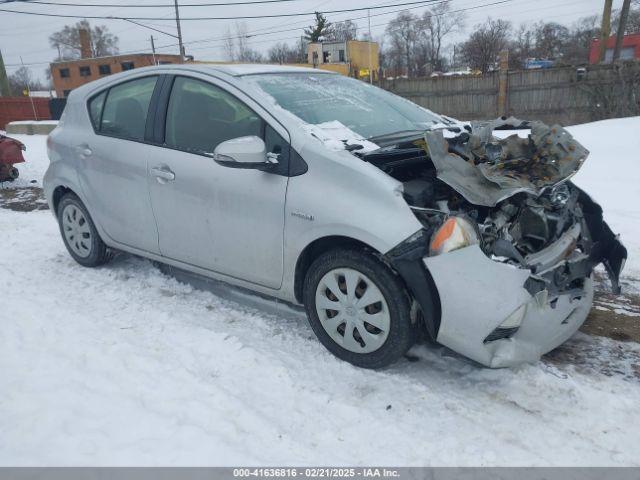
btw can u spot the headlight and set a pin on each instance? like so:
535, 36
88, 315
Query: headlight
454, 234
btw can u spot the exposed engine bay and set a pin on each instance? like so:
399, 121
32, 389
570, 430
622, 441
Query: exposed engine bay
512, 196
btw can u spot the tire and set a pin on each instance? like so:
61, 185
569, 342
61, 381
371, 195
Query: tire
79, 233
379, 297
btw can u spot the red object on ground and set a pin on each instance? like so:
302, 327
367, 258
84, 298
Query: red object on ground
10, 154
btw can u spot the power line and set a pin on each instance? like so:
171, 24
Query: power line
475, 7
256, 33
241, 17
249, 34
154, 5
220, 39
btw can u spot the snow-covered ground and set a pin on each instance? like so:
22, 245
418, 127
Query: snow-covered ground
123, 365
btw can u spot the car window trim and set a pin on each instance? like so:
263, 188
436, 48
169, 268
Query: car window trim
297, 165
165, 110
90, 101
104, 102
160, 119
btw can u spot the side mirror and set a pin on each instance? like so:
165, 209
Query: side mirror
244, 152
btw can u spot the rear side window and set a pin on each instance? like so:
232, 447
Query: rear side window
125, 109
95, 109
200, 116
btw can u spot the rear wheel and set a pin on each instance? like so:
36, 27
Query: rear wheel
358, 308
79, 233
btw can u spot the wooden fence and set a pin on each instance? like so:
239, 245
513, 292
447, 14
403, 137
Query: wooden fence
564, 95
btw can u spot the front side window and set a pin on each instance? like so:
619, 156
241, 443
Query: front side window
125, 109
200, 116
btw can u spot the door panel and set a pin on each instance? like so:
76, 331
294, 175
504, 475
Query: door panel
223, 219
113, 171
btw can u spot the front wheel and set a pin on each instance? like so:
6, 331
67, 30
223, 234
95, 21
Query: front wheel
358, 308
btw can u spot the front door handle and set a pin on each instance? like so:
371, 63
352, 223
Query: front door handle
163, 174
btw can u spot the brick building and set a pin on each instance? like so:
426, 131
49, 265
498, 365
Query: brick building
71, 74
630, 48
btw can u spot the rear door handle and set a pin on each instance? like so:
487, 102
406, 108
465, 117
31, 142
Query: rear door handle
84, 150
163, 174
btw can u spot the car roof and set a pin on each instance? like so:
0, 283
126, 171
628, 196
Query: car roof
241, 69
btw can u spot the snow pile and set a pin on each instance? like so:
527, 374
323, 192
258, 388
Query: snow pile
336, 136
611, 175
122, 365
34, 122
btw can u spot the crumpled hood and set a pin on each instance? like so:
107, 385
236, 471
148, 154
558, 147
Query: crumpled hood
486, 170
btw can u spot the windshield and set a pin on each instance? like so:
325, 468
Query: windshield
367, 110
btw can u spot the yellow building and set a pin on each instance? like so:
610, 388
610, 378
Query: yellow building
354, 58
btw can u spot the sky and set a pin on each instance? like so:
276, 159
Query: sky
24, 38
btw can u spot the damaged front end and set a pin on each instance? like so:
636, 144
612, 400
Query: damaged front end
508, 240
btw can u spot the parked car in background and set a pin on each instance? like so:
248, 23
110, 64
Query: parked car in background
538, 63
385, 220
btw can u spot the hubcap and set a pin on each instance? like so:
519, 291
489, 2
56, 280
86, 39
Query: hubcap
76, 231
352, 310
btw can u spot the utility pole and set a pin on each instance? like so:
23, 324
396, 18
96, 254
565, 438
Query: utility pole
622, 26
33, 107
175, 2
5, 90
605, 29
153, 51
370, 41
503, 84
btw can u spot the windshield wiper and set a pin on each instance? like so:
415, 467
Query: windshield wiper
400, 133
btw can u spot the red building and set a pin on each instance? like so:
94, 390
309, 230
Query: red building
630, 48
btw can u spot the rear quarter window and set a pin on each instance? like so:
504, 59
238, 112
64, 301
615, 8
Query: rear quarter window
95, 109
125, 109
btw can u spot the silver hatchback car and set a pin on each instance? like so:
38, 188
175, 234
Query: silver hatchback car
387, 221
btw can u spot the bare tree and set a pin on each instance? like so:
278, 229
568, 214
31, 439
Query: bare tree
481, 50
633, 19
22, 80
236, 47
67, 41
229, 45
438, 23
282, 53
249, 55
344, 31
551, 39
403, 32
582, 32
521, 47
